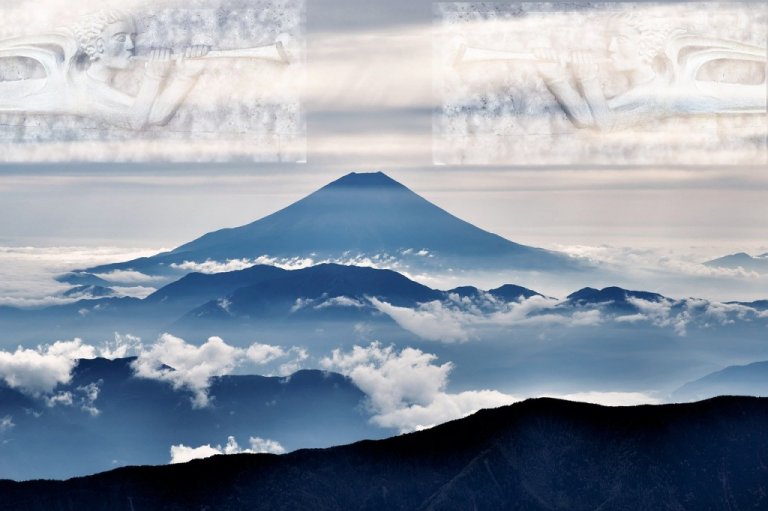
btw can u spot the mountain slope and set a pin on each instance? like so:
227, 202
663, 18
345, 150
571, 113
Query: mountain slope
613, 298
540, 454
367, 214
742, 260
746, 380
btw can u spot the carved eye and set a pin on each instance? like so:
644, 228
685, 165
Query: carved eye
120, 38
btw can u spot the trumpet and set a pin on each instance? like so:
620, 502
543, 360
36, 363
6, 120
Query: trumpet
467, 55
272, 52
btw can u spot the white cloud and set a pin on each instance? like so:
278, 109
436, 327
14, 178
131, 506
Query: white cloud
191, 367
406, 389
264, 445
212, 266
84, 397
88, 394
6, 423
122, 346
680, 314
460, 319
264, 353
377, 260
443, 408
182, 454
129, 277
324, 302
134, 291
27, 274
298, 357
38, 371
63, 398
339, 301
187, 366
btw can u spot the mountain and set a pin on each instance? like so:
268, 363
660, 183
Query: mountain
196, 289
541, 454
235, 302
760, 305
107, 417
742, 260
366, 214
512, 293
82, 279
614, 298
89, 291
284, 294
746, 380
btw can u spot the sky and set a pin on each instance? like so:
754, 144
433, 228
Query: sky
368, 103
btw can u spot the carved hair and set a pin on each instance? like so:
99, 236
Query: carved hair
654, 34
89, 30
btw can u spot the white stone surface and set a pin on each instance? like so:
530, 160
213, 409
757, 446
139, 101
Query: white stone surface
201, 80
600, 83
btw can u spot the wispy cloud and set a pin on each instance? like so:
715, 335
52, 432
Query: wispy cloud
6, 423
84, 397
463, 319
432, 320
27, 274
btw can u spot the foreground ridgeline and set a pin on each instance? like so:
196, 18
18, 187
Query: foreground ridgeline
541, 454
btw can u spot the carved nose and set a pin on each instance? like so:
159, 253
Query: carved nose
612, 46
129, 44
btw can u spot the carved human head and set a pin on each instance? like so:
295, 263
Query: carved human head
635, 43
107, 37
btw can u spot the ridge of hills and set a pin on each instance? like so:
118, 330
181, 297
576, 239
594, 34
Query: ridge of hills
540, 454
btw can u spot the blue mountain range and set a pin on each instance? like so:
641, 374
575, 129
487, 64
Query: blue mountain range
135, 420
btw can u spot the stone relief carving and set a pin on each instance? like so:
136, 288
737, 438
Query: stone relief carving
613, 70
667, 73
114, 72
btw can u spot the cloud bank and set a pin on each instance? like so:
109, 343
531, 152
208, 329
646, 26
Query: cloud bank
407, 389
190, 367
38, 371
181, 453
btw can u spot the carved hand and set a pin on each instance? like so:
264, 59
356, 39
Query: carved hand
549, 64
192, 64
584, 66
159, 63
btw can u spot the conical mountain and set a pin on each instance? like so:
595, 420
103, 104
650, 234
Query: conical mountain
366, 214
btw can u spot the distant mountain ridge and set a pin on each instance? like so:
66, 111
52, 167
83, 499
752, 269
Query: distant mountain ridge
742, 380
360, 213
742, 260
540, 454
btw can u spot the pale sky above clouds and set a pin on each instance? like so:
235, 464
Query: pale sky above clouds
369, 107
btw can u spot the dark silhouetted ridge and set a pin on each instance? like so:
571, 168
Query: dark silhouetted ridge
541, 454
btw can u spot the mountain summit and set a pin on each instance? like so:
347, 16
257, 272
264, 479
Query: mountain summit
360, 214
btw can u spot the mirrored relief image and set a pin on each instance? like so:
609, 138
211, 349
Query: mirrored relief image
212, 80
610, 83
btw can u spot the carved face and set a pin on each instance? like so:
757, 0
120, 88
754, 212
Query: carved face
624, 49
118, 44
